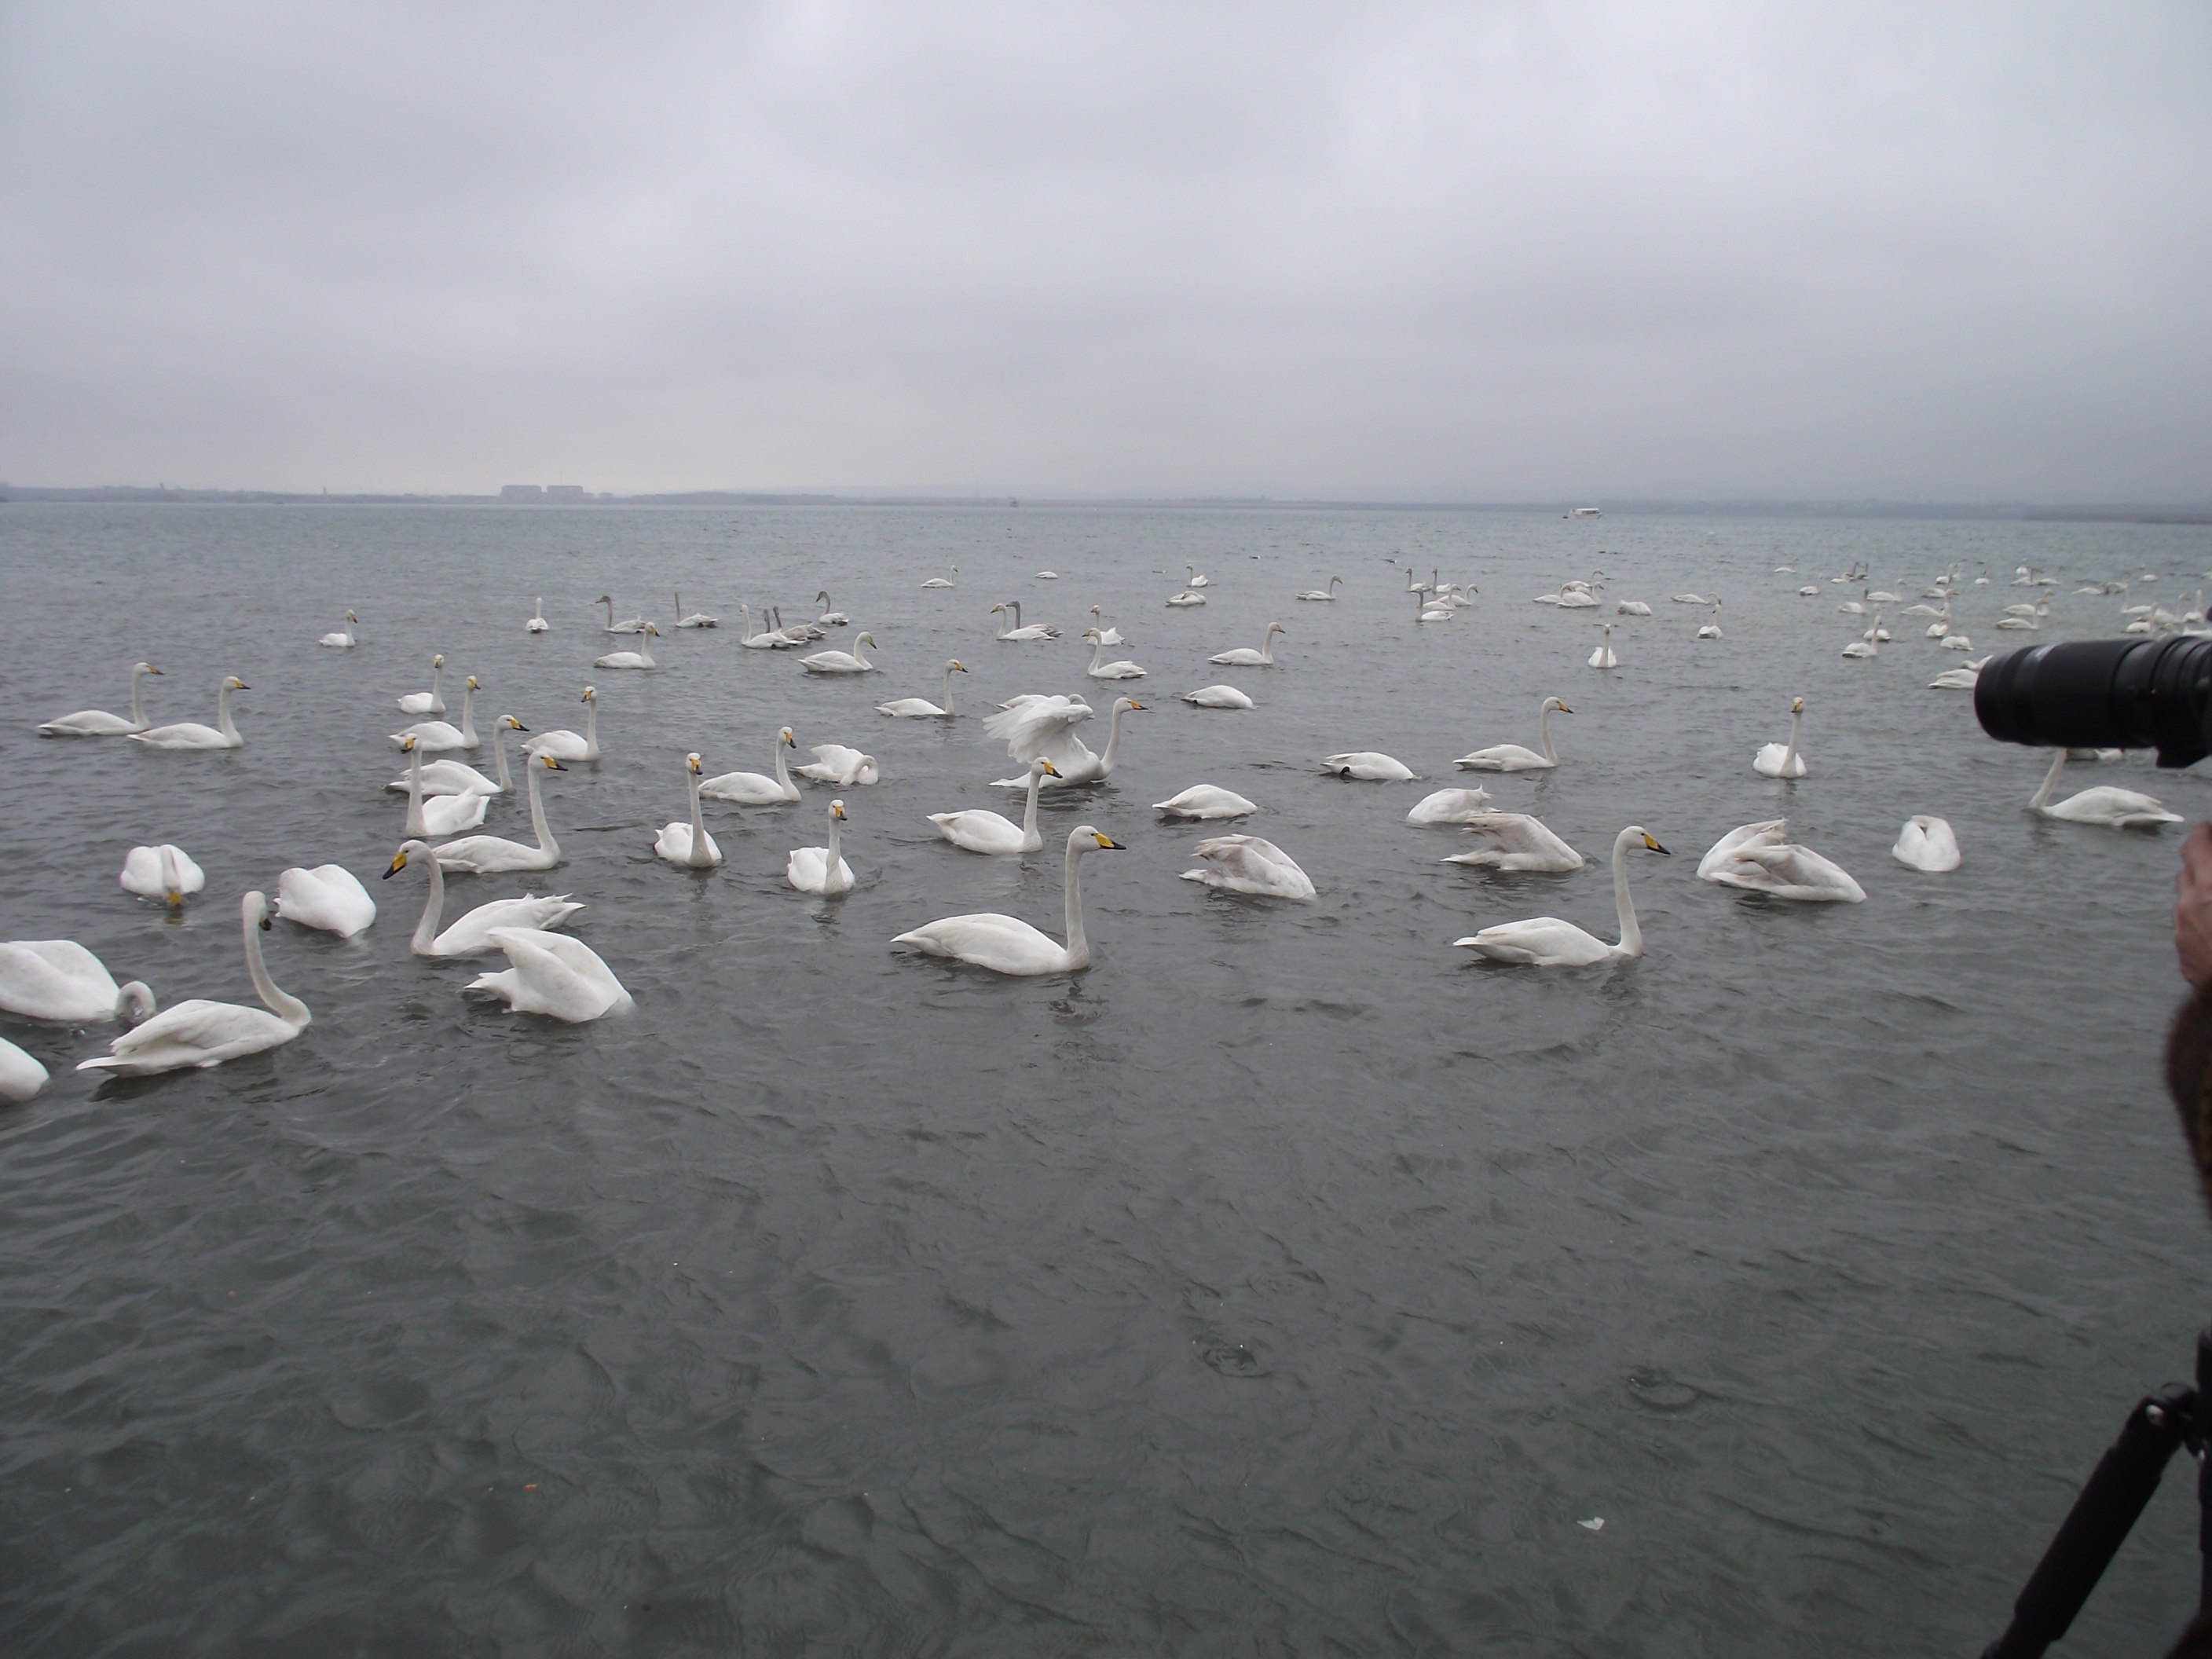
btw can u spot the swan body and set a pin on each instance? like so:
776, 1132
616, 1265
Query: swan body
1185, 599
452, 777
98, 722
440, 815
640, 657
1758, 858
1511, 757
979, 830
1927, 843
1450, 807
1692, 599
834, 764
767, 639
22, 1077
554, 975
484, 855
59, 979
1370, 766
1108, 671
165, 872
689, 843
1576, 596
943, 581
841, 662
1247, 864
1603, 657
696, 619
430, 702
1517, 841
1042, 727
922, 708
1006, 945
1955, 679
564, 745
1017, 634
1957, 642
1426, 611
1206, 800
471, 933
829, 618
1782, 760
538, 624
199, 1033
1048, 575
631, 625
1322, 594
822, 870
342, 639
330, 897
1712, 630
187, 734
434, 736
1106, 635
1219, 696
1548, 942
1631, 608
1245, 657
752, 788
2112, 809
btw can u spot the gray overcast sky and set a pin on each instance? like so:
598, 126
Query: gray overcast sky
1469, 250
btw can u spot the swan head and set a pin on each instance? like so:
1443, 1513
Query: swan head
958, 666
654, 628
591, 693
1277, 628
438, 661
1121, 703
1798, 705
1043, 768
234, 684
134, 1002
787, 739
254, 909
691, 763
1555, 706
837, 809
865, 639
509, 723
1090, 633
603, 598
1085, 839
143, 668
549, 764
1639, 833
473, 684
822, 598
407, 850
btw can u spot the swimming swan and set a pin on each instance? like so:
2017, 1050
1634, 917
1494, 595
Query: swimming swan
1603, 657
1006, 945
1219, 696
1179, 601
1368, 765
841, 662
59, 979
689, 843
435, 735
343, 639
1517, 841
2114, 809
98, 722
1018, 635
1327, 594
829, 618
922, 708
1547, 942
554, 975
187, 734
562, 744
1245, 657
1449, 806
696, 619
945, 582
538, 624
1043, 728
1511, 757
1782, 760
750, 788
1124, 670
1246, 864
1205, 800
977, 829
485, 855
1756, 858
471, 933
199, 1033
330, 897
834, 764
1927, 843
642, 658
632, 625
427, 702
165, 872
1195, 580
822, 870
453, 777
440, 815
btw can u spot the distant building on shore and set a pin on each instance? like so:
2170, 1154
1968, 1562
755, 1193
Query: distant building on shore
542, 493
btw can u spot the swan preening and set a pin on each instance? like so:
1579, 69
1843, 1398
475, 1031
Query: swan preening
1006, 945
2112, 809
1322, 593
823, 870
165, 873
1516, 841
689, 843
342, 639
1246, 864
1548, 942
640, 657
199, 1033
1044, 727
1205, 800
1782, 760
1927, 843
922, 708
841, 662
562, 744
834, 764
98, 722
470, 934
490, 854
1245, 657
329, 897
59, 979
1758, 858
1449, 806
553, 975
752, 788
430, 702
1370, 766
187, 734
1511, 757
979, 830
1219, 696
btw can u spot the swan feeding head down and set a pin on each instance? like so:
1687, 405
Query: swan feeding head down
1548, 942
1006, 945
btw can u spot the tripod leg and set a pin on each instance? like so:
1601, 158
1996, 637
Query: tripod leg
2098, 1524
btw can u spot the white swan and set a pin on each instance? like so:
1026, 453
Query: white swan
642, 658
689, 843
471, 933
1006, 945
821, 869
1449, 806
59, 979
1107, 671
188, 734
1782, 760
1018, 635
1245, 657
330, 897
977, 830
1427, 609
696, 619
562, 744
1866, 645
1603, 657
1548, 942
752, 788
836, 764
165, 872
841, 662
945, 582
1195, 580
1693, 598
484, 855
1511, 757
434, 736
552, 973
1246, 864
342, 639
1517, 841
1219, 696
1927, 843
441, 815
538, 624
1955, 679
1322, 593
1048, 575
829, 618
1370, 766
1712, 630
922, 708
98, 722
199, 1033
1106, 635
1631, 608
2114, 809
1042, 727
1205, 800
22, 1077
453, 777
1185, 599
427, 702
1758, 858
767, 639
631, 625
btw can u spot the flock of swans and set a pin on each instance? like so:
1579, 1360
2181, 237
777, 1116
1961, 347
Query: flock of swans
551, 973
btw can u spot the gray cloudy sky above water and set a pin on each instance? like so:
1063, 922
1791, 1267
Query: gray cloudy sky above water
1462, 252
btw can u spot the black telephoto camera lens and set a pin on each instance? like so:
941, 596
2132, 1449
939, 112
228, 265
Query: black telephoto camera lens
2103, 694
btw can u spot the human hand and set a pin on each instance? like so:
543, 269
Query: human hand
2192, 907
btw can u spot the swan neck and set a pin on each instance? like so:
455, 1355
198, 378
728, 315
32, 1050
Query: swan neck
222, 716
289, 1009
433, 908
829, 864
499, 755
1543, 732
1097, 650
783, 778
137, 708
591, 734
1079, 946
1790, 754
469, 717
699, 854
2050, 782
1631, 935
415, 826
545, 841
1030, 840
1113, 742
947, 692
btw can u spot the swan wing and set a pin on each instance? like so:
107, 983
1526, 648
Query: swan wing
471, 933
555, 975
489, 854
746, 788
1502, 758
1039, 727
1448, 806
979, 830
1004, 943
329, 896
1722, 851
1206, 800
448, 815
194, 1033
185, 734
55, 979
87, 723
1539, 942
1247, 863
2123, 808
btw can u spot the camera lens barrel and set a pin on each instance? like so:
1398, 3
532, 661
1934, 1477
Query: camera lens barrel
2103, 694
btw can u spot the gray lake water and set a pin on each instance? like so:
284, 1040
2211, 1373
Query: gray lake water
1288, 1282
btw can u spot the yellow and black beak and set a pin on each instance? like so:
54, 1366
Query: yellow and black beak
399, 863
1050, 770
1107, 844
789, 742
552, 765
1653, 845
175, 898
1563, 709
151, 669
837, 809
694, 763
265, 923
961, 666
1135, 705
